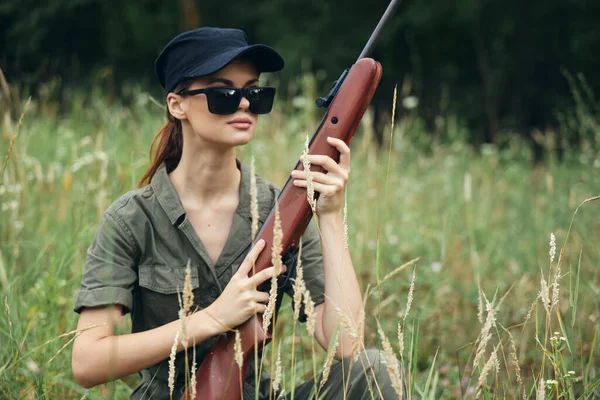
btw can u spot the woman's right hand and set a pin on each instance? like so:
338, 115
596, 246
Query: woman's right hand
240, 299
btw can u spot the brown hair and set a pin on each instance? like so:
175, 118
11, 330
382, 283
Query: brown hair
167, 145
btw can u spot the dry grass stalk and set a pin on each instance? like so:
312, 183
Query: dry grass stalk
329, 361
515, 357
171, 379
193, 376
277, 378
409, 299
545, 294
309, 310
3, 274
486, 331
399, 269
276, 250
552, 251
360, 327
556, 287
528, 315
75, 334
299, 284
391, 363
310, 187
400, 341
346, 219
492, 362
237, 349
555, 283
11, 144
352, 329
479, 303
5, 88
253, 200
187, 303
7, 309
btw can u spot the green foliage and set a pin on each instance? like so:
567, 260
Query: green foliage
471, 218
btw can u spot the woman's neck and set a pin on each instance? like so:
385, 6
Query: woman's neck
206, 176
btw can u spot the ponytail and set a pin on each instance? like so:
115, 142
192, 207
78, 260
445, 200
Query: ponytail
166, 148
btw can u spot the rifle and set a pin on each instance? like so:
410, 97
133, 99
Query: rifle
346, 103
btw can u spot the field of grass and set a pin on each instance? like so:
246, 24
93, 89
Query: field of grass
479, 222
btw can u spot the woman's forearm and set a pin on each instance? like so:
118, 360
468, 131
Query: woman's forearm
342, 291
98, 359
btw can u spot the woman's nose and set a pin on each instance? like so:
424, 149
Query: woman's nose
244, 104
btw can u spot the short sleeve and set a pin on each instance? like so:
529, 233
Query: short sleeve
312, 265
109, 276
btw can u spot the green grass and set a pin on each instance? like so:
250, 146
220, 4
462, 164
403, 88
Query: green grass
495, 233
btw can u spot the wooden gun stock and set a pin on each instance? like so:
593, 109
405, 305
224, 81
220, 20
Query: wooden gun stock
218, 376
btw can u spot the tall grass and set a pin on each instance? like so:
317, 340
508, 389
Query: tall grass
479, 222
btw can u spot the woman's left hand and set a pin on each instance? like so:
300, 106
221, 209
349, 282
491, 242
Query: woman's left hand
331, 185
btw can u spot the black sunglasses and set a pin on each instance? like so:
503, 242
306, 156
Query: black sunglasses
226, 100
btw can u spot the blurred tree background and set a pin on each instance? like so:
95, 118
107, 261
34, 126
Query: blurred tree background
503, 68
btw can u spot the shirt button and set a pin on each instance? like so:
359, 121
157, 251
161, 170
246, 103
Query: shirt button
214, 292
147, 194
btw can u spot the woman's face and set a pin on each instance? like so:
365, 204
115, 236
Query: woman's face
224, 131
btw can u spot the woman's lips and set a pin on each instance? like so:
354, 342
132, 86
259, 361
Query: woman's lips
240, 123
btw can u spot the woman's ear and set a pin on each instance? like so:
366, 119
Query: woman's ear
174, 104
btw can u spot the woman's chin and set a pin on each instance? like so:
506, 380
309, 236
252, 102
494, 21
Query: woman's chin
241, 137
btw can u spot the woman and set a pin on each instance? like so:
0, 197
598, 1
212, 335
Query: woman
194, 205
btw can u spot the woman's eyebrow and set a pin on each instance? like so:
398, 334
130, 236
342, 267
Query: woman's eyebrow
230, 83
221, 80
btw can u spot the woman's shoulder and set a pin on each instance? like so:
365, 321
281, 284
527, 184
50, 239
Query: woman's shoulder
133, 203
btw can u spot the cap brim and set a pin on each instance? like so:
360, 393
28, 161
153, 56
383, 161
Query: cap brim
264, 58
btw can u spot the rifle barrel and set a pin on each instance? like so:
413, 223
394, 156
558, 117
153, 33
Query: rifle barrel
389, 12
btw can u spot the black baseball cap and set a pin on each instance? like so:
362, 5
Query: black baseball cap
206, 50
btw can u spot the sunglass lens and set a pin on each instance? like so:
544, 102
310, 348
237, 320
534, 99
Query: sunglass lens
261, 99
223, 101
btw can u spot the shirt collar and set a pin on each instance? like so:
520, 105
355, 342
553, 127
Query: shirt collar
166, 194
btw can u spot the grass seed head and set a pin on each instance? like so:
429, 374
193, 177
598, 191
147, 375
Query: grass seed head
171, 379
545, 294
299, 284
515, 358
329, 361
276, 250
309, 309
486, 331
391, 363
400, 341
253, 200
411, 291
552, 251
237, 349
492, 362
277, 377
310, 187
193, 376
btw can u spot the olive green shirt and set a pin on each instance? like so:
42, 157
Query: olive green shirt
139, 255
